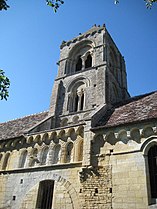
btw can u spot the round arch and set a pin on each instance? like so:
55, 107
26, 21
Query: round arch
57, 179
81, 45
77, 81
147, 144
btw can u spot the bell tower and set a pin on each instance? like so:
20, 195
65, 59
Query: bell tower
91, 74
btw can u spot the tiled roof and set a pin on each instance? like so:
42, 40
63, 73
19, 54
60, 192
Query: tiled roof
135, 109
17, 127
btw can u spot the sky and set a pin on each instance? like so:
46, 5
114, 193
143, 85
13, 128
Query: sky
31, 35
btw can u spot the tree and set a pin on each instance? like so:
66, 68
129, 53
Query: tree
4, 85
55, 4
149, 3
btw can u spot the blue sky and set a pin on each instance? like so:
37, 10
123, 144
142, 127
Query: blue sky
31, 35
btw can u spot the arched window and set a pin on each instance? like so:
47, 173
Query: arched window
23, 158
5, 162
76, 98
45, 194
88, 61
69, 152
152, 162
44, 153
57, 150
79, 64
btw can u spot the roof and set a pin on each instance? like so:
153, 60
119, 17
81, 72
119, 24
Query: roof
18, 127
135, 109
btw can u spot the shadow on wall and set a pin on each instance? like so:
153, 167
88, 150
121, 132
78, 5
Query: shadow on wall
96, 145
60, 99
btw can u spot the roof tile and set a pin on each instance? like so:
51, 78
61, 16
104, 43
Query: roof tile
135, 109
17, 127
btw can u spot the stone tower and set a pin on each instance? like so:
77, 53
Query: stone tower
91, 75
95, 148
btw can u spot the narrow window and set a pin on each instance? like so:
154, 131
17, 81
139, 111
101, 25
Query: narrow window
45, 194
82, 101
88, 62
5, 162
152, 162
23, 159
76, 103
69, 152
68, 103
79, 64
14, 197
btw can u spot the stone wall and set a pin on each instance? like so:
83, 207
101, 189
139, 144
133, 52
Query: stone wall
19, 188
96, 190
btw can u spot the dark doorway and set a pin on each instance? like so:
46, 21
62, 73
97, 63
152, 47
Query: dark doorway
152, 161
45, 194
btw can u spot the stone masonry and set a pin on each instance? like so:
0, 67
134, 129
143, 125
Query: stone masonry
96, 147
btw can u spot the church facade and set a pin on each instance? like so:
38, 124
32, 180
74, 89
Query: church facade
96, 147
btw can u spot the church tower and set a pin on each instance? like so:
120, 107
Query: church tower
94, 144
91, 75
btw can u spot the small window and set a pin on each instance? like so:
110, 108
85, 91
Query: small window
79, 64
152, 162
88, 62
82, 101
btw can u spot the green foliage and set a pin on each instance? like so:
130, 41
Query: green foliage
4, 85
55, 4
3, 5
149, 3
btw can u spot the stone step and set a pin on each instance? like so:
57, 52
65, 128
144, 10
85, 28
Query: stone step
152, 206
